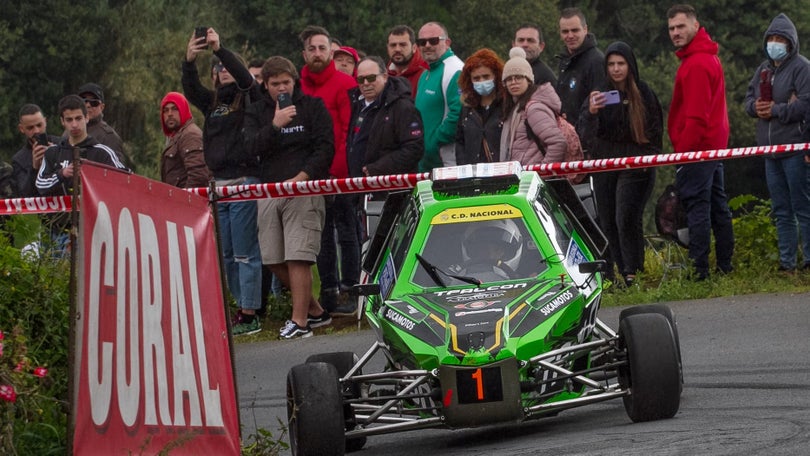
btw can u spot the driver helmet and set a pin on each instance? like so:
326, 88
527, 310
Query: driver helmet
482, 239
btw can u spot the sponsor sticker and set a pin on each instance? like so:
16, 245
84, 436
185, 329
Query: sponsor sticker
476, 214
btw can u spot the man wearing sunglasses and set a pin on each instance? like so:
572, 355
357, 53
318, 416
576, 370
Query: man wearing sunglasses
93, 98
437, 97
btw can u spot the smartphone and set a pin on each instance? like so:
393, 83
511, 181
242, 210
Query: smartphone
42, 138
612, 97
284, 100
765, 89
201, 32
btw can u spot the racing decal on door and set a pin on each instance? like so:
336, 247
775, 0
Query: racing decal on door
476, 214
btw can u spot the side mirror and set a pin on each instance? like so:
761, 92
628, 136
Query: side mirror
366, 289
589, 267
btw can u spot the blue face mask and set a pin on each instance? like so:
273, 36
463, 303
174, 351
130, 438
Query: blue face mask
484, 88
776, 51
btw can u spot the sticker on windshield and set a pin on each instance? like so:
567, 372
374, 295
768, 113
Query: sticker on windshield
574, 255
476, 214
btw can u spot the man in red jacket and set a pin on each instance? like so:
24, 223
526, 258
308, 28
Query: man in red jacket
320, 78
404, 57
698, 120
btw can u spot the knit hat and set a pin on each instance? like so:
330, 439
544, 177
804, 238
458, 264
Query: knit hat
517, 65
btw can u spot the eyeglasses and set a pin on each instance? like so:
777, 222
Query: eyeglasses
433, 41
367, 79
512, 79
92, 102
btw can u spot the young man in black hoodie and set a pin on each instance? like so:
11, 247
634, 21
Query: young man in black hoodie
581, 63
292, 135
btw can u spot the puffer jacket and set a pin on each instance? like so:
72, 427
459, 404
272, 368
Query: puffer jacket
541, 111
790, 81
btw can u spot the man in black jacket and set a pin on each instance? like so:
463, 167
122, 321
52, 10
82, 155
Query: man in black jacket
27, 160
292, 135
581, 67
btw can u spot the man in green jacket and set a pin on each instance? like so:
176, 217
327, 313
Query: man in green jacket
437, 97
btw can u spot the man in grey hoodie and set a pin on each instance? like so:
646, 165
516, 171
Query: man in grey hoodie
779, 97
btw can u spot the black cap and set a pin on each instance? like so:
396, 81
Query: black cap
92, 88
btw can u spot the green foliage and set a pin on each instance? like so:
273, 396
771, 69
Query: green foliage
754, 231
34, 313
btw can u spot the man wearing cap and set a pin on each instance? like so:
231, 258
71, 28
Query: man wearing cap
438, 98
96, 126
346, 59
405, 60
182, 163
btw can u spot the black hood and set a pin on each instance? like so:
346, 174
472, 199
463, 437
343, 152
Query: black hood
782, 26
395, 88
624, 50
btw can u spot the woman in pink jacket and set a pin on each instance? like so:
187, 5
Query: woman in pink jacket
530, 133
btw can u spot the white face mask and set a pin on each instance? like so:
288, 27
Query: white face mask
484, 88
776, 51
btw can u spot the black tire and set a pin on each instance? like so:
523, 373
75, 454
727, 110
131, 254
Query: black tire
652, 373
343, 361
315, 410
668, 314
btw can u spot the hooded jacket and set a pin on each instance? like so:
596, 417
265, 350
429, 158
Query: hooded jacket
332, 86
790, 81
607, 132
698, 117
182, 163
541, 112
416, 66
386, 137
580, 73
305, 144
50, 181
223, 146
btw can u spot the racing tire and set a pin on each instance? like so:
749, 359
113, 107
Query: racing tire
652, 374
343, 362
668, 314
315, 410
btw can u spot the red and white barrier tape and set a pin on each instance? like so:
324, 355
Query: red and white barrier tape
43, 205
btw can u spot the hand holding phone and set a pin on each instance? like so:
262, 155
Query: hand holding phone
765, 89
612, 97
201, 32
42, 139
284, 100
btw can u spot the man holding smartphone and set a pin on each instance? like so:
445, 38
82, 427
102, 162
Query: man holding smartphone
292, 134
28, 159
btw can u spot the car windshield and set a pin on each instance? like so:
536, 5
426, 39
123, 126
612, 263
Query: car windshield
490, 248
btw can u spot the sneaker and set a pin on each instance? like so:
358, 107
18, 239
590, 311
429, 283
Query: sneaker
245, 329
291, 330
321, 320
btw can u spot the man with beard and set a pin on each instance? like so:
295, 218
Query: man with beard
404, 58
530, 38
320, 78
27, 160
182, 163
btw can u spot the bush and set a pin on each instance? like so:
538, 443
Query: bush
34, 308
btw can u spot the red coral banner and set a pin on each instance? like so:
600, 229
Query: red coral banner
153, 368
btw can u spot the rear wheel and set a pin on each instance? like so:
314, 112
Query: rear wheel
315, 410
652, 374
343, 362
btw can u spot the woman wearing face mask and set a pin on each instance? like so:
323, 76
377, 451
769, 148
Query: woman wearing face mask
632, 125
778, 97
479, 125
530, 133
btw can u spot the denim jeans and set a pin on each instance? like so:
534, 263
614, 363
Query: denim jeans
790, 200
341, 215
701, 188
238, 233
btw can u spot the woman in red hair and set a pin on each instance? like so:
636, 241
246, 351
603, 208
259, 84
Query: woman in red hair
479, 126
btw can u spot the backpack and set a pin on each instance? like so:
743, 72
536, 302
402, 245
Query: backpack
670, 217
574, 150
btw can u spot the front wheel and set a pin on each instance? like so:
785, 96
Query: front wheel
315, 410
652, 374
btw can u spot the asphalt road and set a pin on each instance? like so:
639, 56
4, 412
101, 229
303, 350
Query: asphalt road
746, 364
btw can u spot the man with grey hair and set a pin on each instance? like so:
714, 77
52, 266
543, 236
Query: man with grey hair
437, 97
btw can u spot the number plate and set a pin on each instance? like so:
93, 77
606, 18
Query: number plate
479, 385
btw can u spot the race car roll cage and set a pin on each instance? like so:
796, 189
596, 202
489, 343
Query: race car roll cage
392, 416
